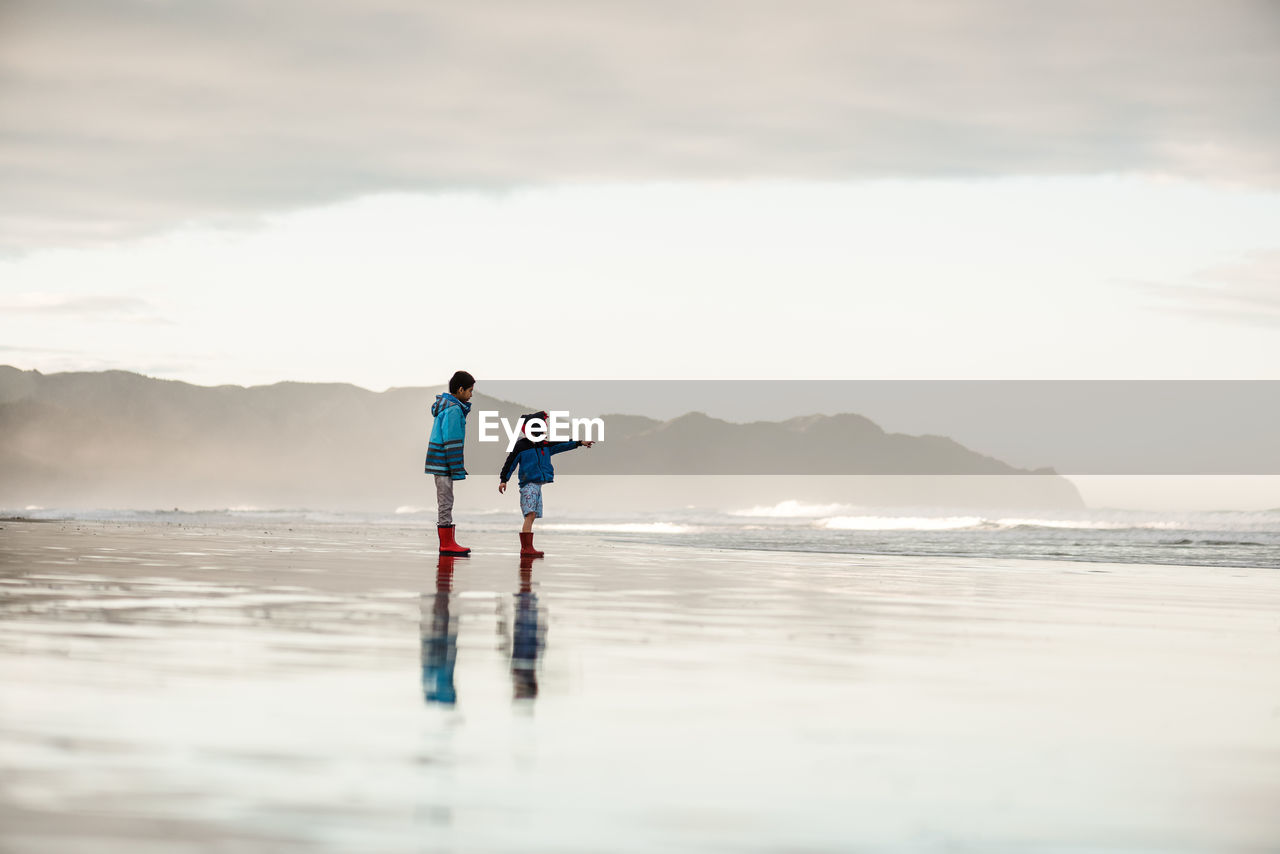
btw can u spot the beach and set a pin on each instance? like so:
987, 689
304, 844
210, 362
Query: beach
282, 685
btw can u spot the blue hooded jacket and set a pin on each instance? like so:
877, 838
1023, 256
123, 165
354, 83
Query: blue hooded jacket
448, 432
534, 460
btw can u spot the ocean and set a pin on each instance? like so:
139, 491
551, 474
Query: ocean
1222, 538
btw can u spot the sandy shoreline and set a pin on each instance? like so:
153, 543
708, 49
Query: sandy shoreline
265, 688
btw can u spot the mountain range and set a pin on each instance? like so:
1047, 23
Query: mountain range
120, 439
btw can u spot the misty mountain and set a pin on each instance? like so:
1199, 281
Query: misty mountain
811, 445
115, 439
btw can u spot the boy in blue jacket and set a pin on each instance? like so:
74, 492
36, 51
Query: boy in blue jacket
534, 460
444, 453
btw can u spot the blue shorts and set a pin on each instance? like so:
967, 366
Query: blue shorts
531, 499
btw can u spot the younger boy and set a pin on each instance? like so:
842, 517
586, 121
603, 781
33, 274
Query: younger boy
534, 460
444, 453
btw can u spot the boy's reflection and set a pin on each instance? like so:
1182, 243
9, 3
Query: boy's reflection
527, 636
440, 637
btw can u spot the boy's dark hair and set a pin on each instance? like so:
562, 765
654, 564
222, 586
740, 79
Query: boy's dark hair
524, 423
460, 380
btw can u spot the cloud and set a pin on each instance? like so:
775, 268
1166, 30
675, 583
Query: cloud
52, 361
92, 307
6, 348
1246, 292
123, 116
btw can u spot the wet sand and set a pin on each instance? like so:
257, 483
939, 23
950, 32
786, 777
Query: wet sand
330, 688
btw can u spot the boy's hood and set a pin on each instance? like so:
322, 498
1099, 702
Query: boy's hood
446, 400
524, 421
524, 442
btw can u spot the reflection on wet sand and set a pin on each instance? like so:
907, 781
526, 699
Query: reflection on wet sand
528, 637
439, 636
173, 688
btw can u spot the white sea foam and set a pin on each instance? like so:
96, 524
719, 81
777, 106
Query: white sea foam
622, 527
900, 523
1088, 524
793, 510
960, 523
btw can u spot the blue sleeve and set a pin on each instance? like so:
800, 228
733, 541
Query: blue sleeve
509, 467
563, 446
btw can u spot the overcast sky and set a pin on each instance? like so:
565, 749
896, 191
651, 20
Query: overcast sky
383, 191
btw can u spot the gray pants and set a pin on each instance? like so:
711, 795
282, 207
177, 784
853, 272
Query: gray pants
444, 499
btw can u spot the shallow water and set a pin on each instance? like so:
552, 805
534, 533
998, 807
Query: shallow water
336, 688
1241, 538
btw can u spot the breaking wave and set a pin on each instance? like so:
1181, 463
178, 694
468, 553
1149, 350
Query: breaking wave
794, 510
979, 523
621, 527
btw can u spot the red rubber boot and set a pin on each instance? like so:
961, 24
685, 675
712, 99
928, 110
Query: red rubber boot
526, 545
448, 545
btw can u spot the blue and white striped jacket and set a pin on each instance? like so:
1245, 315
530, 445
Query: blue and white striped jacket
444, 451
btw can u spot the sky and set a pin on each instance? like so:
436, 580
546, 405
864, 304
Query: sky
383, 191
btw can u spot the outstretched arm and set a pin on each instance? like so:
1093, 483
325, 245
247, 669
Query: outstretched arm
567, 446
